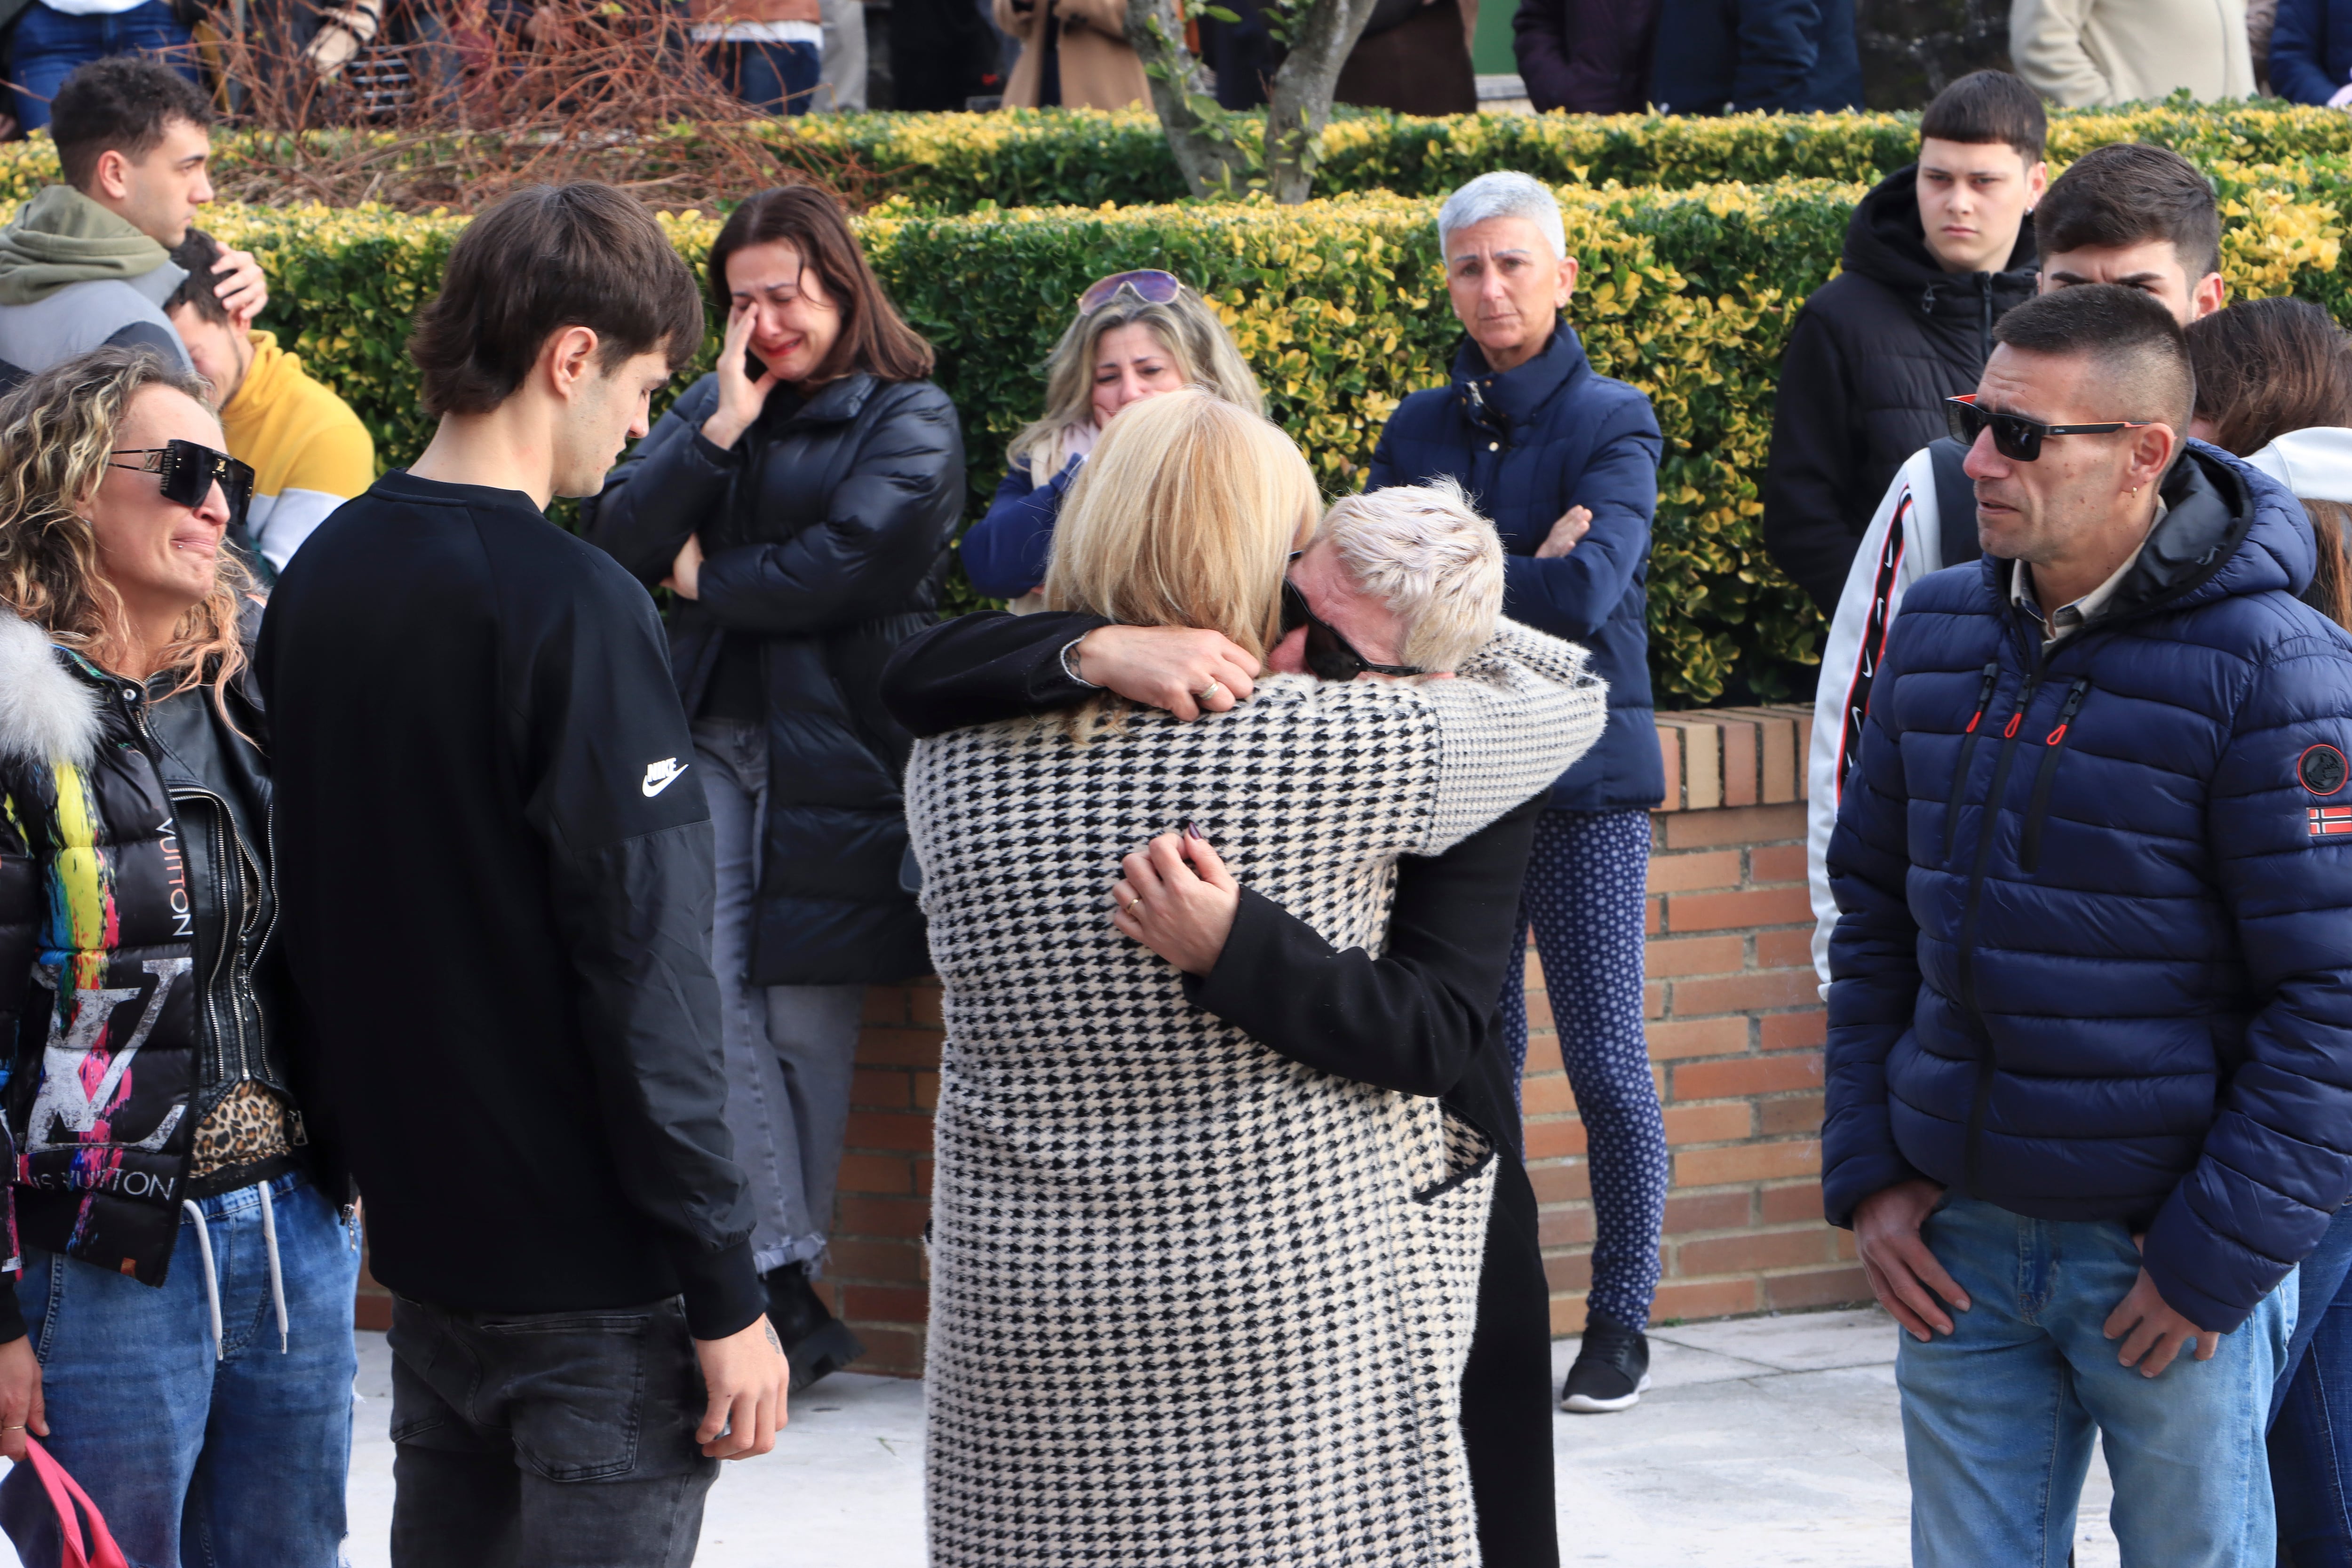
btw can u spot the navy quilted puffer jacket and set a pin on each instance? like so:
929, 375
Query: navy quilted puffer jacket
2094, 953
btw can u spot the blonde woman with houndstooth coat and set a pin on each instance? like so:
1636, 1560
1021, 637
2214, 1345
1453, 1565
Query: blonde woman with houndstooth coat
1192, 1303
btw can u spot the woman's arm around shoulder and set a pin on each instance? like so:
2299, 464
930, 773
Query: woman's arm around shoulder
1518, 714
663, 490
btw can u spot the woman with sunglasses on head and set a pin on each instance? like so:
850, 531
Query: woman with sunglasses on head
2275, 387
797, 503
177, 1310
1137, 336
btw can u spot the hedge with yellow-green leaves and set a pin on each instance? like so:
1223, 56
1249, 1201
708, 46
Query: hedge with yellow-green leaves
1341, 309
957, 162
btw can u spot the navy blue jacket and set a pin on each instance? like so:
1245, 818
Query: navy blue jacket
1527, 445
2093, 958
2311, 49
1792, 56
1005, 553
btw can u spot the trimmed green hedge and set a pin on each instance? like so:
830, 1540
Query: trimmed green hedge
1340, 307
959, 162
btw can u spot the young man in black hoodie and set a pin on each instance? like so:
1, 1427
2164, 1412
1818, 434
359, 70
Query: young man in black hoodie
497, 907
1933, 256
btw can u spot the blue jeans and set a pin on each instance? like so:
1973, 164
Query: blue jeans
48, 44
1998, 1417
779, 78
2311, 1412
238, 1461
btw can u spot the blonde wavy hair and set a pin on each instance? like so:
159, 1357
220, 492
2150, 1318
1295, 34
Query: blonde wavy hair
1186, 327
58, 432
1185, 516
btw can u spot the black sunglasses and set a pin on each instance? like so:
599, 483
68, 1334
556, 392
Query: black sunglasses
2014, 436
190, 470
1328, 654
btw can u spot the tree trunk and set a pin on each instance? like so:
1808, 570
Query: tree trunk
1225, 152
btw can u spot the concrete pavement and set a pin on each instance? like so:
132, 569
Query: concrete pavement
1763, 1442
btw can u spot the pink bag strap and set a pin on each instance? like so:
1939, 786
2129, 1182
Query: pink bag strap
64, 1494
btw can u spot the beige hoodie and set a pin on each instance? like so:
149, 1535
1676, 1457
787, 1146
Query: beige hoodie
2078, 52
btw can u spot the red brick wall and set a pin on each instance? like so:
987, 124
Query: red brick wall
1734, 1035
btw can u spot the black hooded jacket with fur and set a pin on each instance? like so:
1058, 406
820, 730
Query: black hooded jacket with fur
136, 985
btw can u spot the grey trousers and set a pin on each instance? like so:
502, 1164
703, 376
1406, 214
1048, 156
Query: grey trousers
789, 1048
845, 56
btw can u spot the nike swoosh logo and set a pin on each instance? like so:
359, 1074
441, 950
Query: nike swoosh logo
660, 775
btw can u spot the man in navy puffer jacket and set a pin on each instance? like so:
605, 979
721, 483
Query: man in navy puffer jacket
2090, 1056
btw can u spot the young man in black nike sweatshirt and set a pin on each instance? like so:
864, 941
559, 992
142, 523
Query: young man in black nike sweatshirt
497, 879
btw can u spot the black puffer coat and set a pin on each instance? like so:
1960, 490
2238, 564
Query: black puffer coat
138, 983
824, 533
1870, 361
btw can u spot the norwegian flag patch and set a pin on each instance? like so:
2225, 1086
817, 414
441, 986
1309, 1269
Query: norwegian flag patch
2330, 821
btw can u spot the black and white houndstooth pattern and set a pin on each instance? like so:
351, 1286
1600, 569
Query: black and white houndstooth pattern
1192, 1304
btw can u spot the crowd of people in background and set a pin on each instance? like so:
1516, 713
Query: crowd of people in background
527, 882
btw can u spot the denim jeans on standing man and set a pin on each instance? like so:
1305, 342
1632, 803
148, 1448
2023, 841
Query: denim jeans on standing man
789, 1048
557, 1439
2310, 1410
48, 44
234, 1460
1999, 1415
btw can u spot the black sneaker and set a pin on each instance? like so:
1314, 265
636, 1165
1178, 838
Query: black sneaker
1612, 1370
815, 1341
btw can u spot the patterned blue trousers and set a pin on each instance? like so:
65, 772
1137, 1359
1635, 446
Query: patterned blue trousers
1584, 897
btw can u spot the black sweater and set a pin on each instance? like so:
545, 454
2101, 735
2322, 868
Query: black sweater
497, 884
1420, 1020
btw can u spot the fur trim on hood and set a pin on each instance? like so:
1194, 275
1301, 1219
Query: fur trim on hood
45, 715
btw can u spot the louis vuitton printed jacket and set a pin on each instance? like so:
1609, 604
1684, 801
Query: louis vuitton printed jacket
142, 1061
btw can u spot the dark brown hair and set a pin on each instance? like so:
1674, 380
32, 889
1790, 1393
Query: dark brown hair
2129, 193
547, 258
2130, 335
199, 290
874, 337
1988, 106
123, 104
2268, 366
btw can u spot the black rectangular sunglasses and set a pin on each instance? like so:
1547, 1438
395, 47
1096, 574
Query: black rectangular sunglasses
189, 470
1328, 654
2014, 436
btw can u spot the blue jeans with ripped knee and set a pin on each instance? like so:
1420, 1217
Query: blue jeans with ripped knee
235, 1456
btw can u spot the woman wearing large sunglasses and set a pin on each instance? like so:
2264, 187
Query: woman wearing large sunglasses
177, 1306
1137, 336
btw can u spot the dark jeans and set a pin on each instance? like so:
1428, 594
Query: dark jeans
2311, 1411
779, 78
47, 44
552, 1439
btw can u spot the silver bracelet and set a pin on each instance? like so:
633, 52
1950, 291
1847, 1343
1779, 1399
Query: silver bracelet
1070, 663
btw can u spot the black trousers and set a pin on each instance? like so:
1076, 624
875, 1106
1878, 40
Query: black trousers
546, 1439
1507, 1386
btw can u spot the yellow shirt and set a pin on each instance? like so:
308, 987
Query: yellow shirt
309, 452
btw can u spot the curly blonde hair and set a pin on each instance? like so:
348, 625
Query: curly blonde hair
58, 432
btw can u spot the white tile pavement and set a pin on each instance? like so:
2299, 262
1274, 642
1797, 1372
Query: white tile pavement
1763, 1442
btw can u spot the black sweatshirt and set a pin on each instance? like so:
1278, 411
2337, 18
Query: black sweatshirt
1420, 1020
496, 894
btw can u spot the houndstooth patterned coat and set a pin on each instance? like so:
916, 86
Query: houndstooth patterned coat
1193, 1304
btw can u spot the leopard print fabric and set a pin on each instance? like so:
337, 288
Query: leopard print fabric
250, 1125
